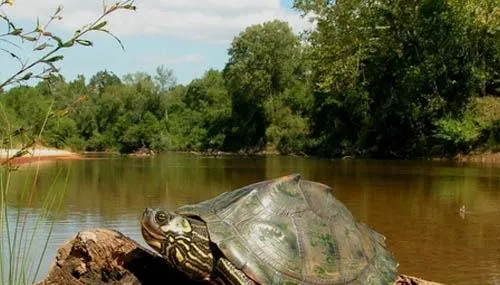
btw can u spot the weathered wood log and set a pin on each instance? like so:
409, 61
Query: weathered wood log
104, 257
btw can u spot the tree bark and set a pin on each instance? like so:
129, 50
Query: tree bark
104, 257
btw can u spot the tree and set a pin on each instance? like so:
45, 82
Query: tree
288, 130
384, 72
103, 79
138, 134
199, 113
165, 78
263, 60
16, 266
481, 20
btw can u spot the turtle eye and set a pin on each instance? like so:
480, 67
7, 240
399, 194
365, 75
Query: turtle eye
160, 217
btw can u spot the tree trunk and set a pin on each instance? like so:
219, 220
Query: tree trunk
103, 256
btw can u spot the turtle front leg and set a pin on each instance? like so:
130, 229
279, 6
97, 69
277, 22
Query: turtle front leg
225, 273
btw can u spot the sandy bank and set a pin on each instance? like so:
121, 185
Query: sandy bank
37, 154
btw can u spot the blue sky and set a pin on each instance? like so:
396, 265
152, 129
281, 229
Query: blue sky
187, 36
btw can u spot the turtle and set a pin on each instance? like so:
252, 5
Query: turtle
286, 230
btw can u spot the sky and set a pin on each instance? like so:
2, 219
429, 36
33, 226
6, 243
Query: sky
187, 36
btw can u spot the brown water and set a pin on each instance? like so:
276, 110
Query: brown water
414, 204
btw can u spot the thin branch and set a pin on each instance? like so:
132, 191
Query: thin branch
96, 25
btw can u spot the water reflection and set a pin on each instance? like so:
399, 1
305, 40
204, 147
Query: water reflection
416, 205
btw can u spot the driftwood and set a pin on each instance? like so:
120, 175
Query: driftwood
103, 256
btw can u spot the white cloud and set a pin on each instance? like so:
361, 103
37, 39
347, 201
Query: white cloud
186, 58
207, 20
173, 59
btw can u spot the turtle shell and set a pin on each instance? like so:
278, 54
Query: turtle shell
294, 231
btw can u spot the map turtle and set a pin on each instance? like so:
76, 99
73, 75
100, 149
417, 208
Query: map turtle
281, 231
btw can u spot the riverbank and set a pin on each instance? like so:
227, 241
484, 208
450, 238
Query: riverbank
489, 156
36, 154
45, 154
484, 156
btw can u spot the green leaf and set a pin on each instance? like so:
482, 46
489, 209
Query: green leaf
115, 37
100, 25
68, 44
130, 7
42, 46
10, 53
28, 38
16, 31
59, 9
27, 76
54, 58
86, 43
57, 39
20, 153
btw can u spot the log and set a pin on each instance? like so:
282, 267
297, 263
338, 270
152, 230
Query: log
103, 257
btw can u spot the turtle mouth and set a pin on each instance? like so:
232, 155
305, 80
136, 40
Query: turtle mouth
152, 234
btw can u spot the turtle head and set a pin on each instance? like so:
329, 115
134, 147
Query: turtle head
181, 240
161, 228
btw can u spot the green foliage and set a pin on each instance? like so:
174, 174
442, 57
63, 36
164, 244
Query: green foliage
487, 112
386, 72
25, 113
487, 109
479, 126
62, 132
106, 114
375, 78
46, 45
288, 114
482, 19
97, 142
103, 79
493, 136
165, 79
457, 135
199, 113
29, 107
287, 131
141, 134
263, 60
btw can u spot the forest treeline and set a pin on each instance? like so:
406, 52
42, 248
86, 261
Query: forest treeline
373, 79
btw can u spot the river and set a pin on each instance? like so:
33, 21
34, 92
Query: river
415, 204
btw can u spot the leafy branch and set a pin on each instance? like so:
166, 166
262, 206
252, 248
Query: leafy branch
48, 43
